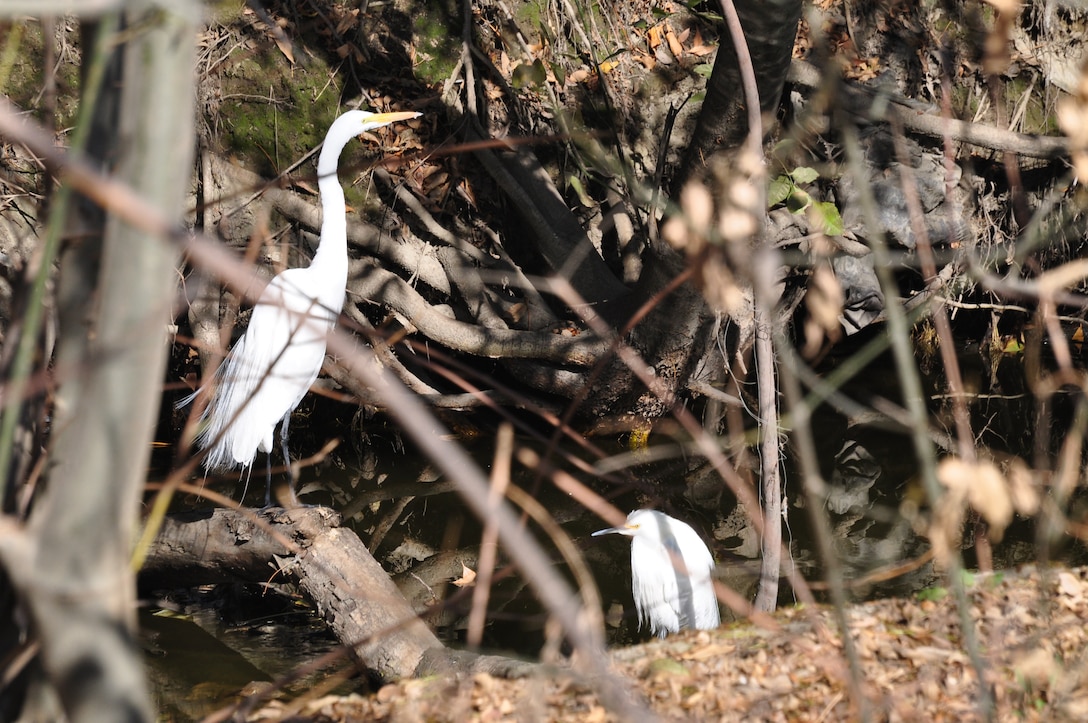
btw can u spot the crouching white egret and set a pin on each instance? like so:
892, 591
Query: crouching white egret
272, 366
670, 573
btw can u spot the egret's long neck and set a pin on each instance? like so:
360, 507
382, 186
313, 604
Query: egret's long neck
332, 252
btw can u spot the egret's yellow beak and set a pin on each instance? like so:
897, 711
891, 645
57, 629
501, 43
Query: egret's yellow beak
386, 118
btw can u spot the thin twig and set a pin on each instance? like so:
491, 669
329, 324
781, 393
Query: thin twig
485, 565
914, 399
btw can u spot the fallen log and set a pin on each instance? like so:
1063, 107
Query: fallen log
330, 565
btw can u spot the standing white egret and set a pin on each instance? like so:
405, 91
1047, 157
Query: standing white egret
272, 366
670, 573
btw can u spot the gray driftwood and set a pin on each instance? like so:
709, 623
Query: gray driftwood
330, 565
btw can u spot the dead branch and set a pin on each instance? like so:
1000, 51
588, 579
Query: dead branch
927, 120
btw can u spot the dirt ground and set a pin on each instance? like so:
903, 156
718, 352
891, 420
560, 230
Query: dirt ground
1030, 627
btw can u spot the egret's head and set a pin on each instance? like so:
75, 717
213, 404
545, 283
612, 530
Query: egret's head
639, 521
361, 121
348, 126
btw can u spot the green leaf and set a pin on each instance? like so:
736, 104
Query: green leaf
546, 33
667, 666
696, 7
559, 73
703, 69
580, 190
804, 174
932, 593
780, 189
798, 200
525, 76
828, 218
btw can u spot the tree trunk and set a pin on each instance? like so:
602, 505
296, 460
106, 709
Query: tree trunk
112, 352
770, 27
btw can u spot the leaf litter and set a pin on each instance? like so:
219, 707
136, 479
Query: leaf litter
1031, 626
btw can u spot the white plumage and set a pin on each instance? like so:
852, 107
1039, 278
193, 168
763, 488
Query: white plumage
272, 366
670, 573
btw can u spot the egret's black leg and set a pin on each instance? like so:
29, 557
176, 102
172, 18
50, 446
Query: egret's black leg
287, 458
267, 481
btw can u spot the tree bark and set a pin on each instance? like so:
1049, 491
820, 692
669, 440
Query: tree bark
770, 27
78, 585
770, 478
557, 235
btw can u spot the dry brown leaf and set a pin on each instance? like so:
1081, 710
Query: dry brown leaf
646, 60
825, 298
516, 312
1071, 589
468, 577
698, 206
675, 232
305, 186
284, 44
578, 76
465, 189
863, 70
698, 47
435, 180
1025, 497
955, 475
989, 495
347, 21
824, 303
932, 654
711, 650
944, 528
674, 44
653, 37
736, 224
1037, 667
982, 485
720, 287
